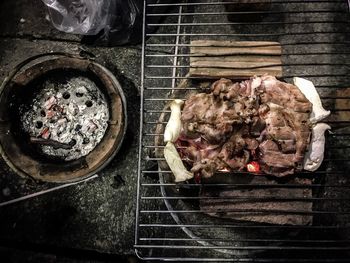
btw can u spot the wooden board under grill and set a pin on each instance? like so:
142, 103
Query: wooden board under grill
234, 60
269, 204
342, 106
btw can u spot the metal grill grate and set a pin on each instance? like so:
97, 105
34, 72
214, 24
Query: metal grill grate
315, 39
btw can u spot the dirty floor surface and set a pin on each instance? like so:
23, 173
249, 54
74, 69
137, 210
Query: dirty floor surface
95, 219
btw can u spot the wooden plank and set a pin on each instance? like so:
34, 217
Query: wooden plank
342, 105
236, 48
227, 201
250, 58
227, 51
234, 73
216, 43
235, 64
234, 59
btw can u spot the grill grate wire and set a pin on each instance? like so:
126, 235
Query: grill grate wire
315, 40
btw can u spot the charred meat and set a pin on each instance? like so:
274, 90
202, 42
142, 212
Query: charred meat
261, 120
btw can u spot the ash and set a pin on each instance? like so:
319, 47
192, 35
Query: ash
73, 113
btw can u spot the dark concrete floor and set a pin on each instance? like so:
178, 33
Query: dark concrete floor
96, 218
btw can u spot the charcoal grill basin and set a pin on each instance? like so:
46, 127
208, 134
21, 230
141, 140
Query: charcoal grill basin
22, 157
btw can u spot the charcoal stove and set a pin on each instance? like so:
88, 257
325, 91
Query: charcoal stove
314, 36
63, 118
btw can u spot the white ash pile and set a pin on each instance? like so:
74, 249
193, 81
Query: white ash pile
67, 119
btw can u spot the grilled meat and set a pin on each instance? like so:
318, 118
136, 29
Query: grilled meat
261, 119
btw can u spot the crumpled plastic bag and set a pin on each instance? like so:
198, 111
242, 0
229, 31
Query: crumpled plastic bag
110, 21
85, 17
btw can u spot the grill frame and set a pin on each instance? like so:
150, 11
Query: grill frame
147, 125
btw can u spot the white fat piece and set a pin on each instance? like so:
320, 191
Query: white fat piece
314, 156
173, 127
308, 89
175, 163
255, 84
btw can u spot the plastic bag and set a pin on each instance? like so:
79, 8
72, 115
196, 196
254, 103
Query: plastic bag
95, 17
85, 17
103, 22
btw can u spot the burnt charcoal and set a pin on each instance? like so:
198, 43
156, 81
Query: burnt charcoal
72, 142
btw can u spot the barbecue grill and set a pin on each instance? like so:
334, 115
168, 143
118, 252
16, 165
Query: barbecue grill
315, 41
23, 94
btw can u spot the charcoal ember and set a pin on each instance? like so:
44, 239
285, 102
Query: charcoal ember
45, 133
50, 102
57, 108
50, 114
89, 126
69, 111
62, 125
231, 199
